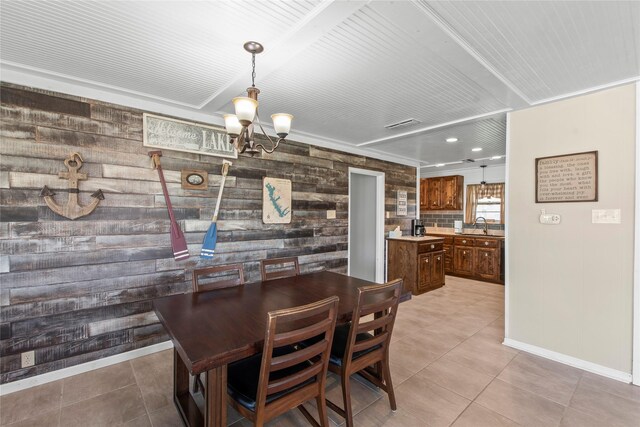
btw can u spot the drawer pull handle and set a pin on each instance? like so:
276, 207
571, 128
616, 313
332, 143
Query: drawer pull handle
438, 258
464, 241
486, 243
433, 246
426, 260
486, 254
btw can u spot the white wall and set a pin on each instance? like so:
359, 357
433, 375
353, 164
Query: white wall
570, 285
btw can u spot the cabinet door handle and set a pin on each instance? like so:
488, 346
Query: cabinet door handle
438, 258
426, 260
464, 241
464, 252
486, 254
486, 243
433, 246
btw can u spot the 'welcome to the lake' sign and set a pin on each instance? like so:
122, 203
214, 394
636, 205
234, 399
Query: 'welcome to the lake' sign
178, 135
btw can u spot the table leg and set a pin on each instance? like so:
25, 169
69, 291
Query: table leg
187, 408
216, 397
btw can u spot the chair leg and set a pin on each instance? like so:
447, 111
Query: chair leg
387, 380
346, 398
322, 410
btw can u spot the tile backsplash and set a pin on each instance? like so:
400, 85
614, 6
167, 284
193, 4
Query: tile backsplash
446, 218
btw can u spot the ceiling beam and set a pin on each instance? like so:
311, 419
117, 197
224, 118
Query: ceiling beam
430, 128
299, 37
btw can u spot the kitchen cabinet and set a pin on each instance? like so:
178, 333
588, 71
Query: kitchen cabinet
419, 261
442, 193
424, 194
475, 257
434, 195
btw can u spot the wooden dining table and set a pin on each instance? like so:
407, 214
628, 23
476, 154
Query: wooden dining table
211, 329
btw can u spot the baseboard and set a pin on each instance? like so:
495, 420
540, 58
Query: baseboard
12, 387
570, 360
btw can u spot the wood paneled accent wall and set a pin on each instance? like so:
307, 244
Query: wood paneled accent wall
76, 291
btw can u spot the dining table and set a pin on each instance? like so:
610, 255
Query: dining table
210, 330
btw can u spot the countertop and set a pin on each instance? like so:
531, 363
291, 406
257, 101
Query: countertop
468, 232
417, 238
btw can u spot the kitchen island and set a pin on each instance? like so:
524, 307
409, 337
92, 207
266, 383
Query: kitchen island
418, 261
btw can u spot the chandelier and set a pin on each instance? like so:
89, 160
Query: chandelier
240, 126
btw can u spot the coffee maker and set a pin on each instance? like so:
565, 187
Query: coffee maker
417, 227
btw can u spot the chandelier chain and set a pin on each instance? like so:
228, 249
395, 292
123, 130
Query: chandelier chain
253, 72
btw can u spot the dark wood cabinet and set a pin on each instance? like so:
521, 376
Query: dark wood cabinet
442, 193
452, 190
485, 263
434, 195
418, 261
463, 260
424, 194
475, 257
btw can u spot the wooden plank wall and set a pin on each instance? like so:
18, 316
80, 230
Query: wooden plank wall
76, 291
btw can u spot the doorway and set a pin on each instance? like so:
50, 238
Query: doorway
366, 225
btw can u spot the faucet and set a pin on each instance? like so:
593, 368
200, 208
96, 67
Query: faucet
475, 224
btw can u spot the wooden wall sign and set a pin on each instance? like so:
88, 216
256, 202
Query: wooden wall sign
193, 179
567, 178
178, 135
401, 203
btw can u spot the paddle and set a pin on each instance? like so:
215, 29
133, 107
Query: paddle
209, 242
178, 242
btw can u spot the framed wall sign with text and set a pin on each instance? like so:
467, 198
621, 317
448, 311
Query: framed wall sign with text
567, 178
178, 135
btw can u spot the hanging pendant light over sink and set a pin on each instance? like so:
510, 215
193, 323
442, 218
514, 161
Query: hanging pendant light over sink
240, 126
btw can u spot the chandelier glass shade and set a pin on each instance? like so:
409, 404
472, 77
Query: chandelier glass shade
240, 126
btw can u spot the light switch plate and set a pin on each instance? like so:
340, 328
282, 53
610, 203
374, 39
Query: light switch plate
549, 219
605, 216
331, 214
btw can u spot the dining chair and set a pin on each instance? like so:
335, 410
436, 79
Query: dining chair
217, 277
356, 349
209, 279
288, 267
284, 375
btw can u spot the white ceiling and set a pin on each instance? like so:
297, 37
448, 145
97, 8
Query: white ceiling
344, 69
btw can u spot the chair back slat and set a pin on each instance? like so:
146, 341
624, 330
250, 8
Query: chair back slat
300, 335
221, 277
277, 268
381, 301
371, 342
376, 307
297, 357
293, 325
374, 324
294, 379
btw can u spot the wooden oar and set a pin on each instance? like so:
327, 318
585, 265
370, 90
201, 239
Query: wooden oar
209, 242
178, 242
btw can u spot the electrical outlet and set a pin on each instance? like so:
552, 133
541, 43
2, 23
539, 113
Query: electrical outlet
28, 359
331, 214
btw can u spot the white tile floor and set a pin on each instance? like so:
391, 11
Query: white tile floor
448, 365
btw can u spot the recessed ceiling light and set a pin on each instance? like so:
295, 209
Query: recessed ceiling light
452, 139
476, 149
439, 165
496, 157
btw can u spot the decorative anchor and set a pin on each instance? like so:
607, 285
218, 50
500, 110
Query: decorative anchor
72, 209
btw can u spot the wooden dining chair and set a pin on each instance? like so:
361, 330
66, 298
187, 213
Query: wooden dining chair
209, 279
217, 277
364, 343
284, 267
284, 375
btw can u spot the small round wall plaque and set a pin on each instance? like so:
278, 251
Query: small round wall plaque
194, 179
